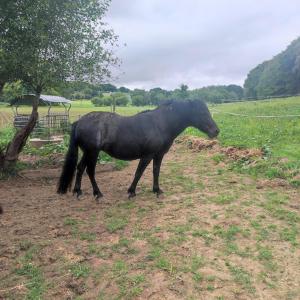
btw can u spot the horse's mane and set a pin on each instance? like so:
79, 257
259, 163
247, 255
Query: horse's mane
166, 103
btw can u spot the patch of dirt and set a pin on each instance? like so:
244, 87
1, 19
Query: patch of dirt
198, 144
277, 182
199, 241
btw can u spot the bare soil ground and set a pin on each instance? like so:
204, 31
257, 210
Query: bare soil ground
215, 234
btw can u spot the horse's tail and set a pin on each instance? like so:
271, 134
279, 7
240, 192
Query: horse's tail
69, 167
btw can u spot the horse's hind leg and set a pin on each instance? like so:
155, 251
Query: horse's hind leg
144, 162
80, 169
91, 166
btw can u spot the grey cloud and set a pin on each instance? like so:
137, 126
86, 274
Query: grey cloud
198, 42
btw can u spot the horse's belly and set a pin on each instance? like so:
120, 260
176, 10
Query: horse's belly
124, 153
132, 151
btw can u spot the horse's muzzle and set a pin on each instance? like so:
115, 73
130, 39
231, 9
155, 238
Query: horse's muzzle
214, 133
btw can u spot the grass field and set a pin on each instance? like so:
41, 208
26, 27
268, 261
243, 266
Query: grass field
279, 135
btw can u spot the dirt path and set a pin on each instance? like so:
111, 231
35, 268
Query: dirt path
214, 235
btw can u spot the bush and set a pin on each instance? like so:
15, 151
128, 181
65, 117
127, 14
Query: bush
12, 90
121, 99
97, 101
107, 100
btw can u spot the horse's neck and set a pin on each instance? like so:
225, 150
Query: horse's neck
176, 122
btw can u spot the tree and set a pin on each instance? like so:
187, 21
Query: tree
49, 42
12, 90
107, 87
124, 89
276, 77
121, 99
158, 96
236, 90
140, 97
184, 91
8, 14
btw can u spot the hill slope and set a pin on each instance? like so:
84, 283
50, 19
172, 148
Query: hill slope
278, 76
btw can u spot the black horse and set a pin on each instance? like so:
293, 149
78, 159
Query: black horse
146, 136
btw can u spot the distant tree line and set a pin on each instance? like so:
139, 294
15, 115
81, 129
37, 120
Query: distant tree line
106, 94
279, 76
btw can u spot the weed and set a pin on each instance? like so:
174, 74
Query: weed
196, 263
164, 264
120, 268
241, 277
36, 283
154, 253
70, 222
206, 235
223, 199
197, 277
116, 223
289, 234
99, 251
219, 157
80, 270
87, 236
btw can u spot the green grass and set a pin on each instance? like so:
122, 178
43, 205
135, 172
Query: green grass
80, 270
242, 277
36, 285
116, 223
79, 108
277, 134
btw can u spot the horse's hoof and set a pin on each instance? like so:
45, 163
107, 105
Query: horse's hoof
158, 192
78, 194
97, 196
131, 195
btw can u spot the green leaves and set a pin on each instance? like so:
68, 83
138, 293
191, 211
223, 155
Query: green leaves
50, 41
278, 76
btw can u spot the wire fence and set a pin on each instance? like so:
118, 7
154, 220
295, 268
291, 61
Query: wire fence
61, 120
214, 111
265, 98
46, 126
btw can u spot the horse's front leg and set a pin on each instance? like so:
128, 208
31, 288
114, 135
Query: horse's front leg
156, 169
144, 162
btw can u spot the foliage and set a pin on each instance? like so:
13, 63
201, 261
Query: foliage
84, 90
47, 42
277, 77
56, 52
211, 94
121, 99
218, 94
12, 90
5, 136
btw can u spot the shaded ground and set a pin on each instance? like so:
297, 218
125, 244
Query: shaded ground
214, 235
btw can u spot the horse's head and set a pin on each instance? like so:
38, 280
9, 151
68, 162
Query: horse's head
202, 119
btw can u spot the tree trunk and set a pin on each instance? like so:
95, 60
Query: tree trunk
14, 148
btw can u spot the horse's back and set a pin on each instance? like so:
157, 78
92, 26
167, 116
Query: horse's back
122, 137
93, 128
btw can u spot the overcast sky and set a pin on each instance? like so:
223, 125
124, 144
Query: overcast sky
198, 42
